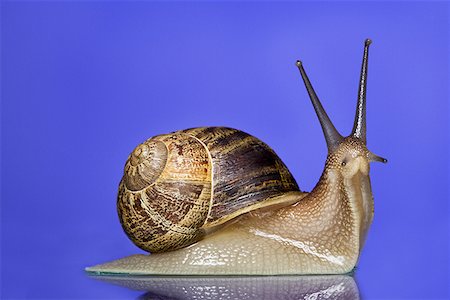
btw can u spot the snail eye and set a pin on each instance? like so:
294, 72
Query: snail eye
343, 163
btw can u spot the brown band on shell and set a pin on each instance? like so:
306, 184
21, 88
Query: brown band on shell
246, 171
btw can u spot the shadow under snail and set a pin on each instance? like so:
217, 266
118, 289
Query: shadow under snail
218, 201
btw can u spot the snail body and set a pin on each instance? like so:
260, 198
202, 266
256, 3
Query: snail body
218, 201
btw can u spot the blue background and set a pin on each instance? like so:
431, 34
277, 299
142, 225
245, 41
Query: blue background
84, 82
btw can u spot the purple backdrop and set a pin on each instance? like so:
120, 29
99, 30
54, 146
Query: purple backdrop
84, 82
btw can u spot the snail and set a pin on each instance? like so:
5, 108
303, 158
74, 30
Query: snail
218, 201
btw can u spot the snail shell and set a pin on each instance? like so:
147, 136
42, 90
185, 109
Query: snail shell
178, 187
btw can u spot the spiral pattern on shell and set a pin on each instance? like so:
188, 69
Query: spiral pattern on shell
177, 185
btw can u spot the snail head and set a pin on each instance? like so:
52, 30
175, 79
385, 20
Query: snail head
347, 154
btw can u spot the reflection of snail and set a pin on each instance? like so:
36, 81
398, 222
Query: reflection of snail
330, 287
179, 189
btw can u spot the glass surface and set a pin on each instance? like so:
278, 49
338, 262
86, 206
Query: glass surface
332, 287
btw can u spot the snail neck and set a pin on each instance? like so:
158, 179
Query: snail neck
346, 201
325, 229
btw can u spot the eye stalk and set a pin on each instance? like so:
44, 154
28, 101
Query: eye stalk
359, 126
332, 136
374, 157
